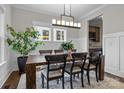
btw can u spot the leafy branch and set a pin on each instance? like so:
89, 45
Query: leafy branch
67, 45
23, 42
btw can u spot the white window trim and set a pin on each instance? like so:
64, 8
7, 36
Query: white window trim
45, 28
2, 36
55, 34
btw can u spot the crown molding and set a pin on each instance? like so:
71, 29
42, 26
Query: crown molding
93, 11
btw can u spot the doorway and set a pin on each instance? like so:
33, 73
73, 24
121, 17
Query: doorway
96, 34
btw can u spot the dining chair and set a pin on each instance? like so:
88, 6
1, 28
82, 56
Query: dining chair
76, 67
44, 52
58, 51
53, 72
92, 65
73, 51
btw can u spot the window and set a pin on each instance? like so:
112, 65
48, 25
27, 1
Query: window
2, 37
45, 33
59, 35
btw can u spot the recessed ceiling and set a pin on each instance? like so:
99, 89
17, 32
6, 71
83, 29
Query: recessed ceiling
78, 10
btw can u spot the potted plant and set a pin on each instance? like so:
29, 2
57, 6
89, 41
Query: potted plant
22, 42
68, 46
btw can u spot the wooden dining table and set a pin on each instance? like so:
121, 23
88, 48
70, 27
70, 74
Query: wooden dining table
37, 60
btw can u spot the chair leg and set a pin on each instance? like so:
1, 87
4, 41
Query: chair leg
63, 82
57, 81
77, 75
82, 78
47, 84
71, 84
88, 77
96, 75
74, 76
42, 76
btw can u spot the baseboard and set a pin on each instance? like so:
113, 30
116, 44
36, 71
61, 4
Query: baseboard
4, 78
115, 77
116, 73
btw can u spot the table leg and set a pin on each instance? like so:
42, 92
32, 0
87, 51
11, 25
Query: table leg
101, 68
30, 76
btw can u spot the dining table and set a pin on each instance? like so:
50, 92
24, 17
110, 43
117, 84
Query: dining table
38, 60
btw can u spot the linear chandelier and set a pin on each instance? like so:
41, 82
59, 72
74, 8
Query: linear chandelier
66, 20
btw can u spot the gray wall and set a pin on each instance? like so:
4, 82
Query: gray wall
113, 19
22, 19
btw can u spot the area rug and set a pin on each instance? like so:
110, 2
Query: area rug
107, 83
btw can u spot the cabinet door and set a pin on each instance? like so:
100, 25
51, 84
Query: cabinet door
94, 33
122, 54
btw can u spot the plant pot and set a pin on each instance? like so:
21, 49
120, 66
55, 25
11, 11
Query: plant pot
70, 54
21, 64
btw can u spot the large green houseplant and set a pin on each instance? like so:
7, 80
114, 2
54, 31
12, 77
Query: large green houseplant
23, 42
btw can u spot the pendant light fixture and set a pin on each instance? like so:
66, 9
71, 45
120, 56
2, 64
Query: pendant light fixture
66, 20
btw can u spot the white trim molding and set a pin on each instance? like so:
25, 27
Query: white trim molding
117, 34
62, 33
4, 78
2, 63
93, 11
2, 8
41, 30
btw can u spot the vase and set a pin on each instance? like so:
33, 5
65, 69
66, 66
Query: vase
70, 54
21, 64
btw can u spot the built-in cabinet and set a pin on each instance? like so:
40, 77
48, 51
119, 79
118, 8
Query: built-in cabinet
94, 33
114, 53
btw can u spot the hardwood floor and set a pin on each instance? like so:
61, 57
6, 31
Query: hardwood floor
13, 80
115, 77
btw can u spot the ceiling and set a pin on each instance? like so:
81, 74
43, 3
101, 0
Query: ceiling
78, 10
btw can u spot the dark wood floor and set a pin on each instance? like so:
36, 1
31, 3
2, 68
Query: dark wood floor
13, 80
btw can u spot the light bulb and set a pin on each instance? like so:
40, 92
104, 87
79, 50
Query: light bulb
53, 21
58, 22
75, 24
71, 23
79, 24
67, 23
63, 22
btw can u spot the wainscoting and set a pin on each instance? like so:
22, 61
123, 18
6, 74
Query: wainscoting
114, 53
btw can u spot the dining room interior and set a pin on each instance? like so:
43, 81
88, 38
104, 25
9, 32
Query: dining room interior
61, 46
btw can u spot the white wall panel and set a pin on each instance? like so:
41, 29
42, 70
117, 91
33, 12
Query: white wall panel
121, 54
114, 53
111, 53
